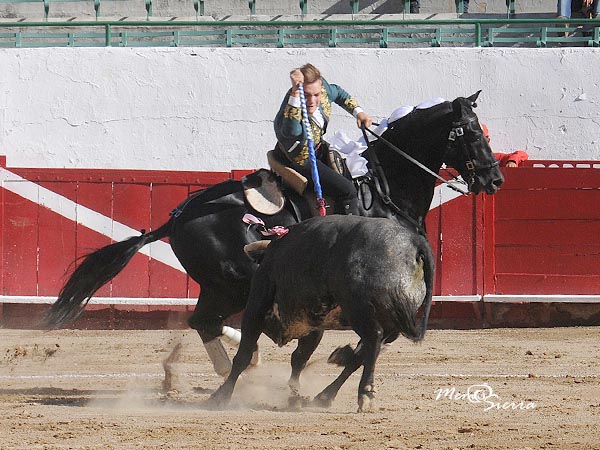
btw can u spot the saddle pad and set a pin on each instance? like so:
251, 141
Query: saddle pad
263, 193
295, 180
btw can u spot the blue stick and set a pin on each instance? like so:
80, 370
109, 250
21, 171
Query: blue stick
311, 153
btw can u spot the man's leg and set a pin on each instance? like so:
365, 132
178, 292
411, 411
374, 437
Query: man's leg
336, 186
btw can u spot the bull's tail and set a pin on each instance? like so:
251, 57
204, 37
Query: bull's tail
96, 269
408, 325
407, 320
426, 253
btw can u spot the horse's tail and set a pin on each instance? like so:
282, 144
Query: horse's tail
428, 275
96, 269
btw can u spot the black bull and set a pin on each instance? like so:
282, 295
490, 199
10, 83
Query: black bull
371, 275
207, 234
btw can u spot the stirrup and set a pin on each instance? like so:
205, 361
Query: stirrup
256, 246
256, 250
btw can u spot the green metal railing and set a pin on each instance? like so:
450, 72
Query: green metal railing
338, 33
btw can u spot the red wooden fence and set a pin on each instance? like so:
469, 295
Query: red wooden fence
543, 231
539, 235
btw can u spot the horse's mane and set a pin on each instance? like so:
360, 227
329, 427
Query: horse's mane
419, 120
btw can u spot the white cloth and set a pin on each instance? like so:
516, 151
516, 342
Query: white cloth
351, 150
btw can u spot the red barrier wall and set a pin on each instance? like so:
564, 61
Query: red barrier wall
39, 244
539, 235
542, 231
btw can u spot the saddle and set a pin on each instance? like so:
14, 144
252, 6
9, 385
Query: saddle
256, 250
296, 180
264, 194
299, 183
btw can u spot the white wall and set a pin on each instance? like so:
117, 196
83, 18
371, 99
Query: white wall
212, 109
220, 9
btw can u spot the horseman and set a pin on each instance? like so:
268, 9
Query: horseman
292, 142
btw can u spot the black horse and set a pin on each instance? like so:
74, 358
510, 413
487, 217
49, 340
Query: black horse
207, 235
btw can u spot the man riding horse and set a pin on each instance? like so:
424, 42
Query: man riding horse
207, 234
292, 142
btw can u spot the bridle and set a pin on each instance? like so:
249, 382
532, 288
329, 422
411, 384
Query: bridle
455, 140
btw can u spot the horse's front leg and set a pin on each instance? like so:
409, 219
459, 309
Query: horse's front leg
241, 361
214, 305
253, 321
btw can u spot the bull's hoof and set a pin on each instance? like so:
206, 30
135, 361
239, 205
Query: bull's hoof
220, 397
322, 401
298, 402
341, 355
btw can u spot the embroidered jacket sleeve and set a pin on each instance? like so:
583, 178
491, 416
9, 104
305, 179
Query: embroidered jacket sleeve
291, 136
288, 126
338, 95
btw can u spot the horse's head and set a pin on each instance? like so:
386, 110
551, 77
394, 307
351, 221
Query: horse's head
468, 149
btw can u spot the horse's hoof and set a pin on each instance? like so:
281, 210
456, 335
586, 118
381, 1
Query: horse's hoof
294, 385
256, 358
366, 403
341, 355
212, 403
215, 404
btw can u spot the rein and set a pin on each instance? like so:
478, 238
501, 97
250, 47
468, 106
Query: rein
413, 160
383, 192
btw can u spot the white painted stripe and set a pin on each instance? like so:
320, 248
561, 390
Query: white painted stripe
160, 251
481, 375
82, 376
443, 194
542, 298
17, 299
457, 298
24, 299
378, 375
152, 301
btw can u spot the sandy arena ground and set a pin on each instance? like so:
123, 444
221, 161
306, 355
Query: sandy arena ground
103, 390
